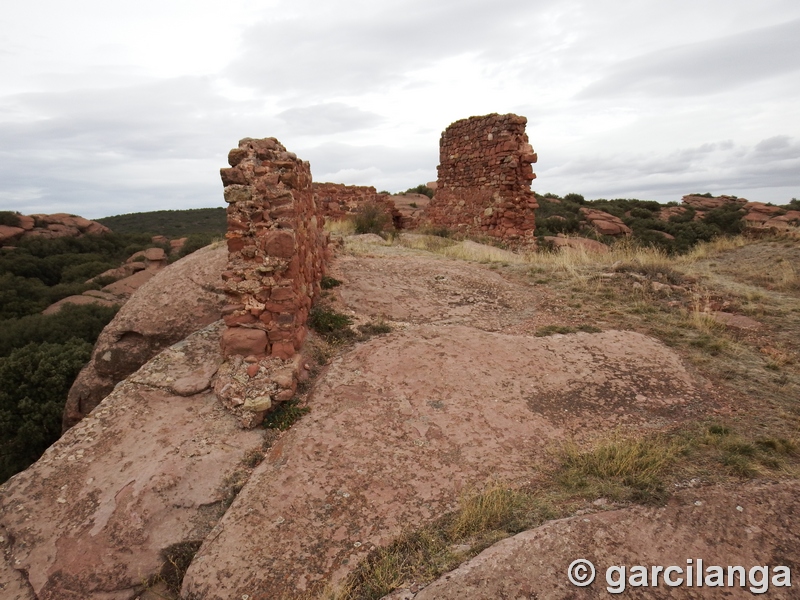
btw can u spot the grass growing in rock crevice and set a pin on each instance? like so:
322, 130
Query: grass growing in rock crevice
614, 473
285, 415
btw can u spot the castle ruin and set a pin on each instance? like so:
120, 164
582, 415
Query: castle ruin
485, 174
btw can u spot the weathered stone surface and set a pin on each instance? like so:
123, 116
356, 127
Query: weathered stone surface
144, 471
124, 288
604, 223
82, 299
244, 341
703, 203
484, 179
748, 525
577, 243
396, 433
155, 254
666, 213
178, 300
736, 321
8, 233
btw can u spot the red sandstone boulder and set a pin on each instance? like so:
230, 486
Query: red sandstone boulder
79, 300
760, 207
175, 246
387, 447
604, 223
703, 203
8, 233
244, 341
26, 222
577, 243
51, 226
748, 525
150, 468
174, 302
671, 211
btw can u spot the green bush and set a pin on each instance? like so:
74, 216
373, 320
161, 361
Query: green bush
170, 223
331, 325
328, 283
34, 381
420, 189
575, 198
82, 271
84, 322
8, 218
372, 218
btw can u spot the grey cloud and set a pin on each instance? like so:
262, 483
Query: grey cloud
356, 51
706, 67
142, 147
328, 118
779, 147
719, 167
334, 156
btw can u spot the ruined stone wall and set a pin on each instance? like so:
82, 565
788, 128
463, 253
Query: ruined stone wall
276, 250
338, 201
484, 179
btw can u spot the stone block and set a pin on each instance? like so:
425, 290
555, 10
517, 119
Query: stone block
282, 350
244, 341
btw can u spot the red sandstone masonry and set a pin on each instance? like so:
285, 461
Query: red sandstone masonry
338, 201
276, 250
484, 179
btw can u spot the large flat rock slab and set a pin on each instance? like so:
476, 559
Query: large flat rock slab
402, 425
750, 525
141, 472
424, 290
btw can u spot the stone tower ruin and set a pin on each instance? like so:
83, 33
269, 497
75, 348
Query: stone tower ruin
484, 181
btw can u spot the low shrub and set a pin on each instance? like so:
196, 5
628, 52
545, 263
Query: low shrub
372, 218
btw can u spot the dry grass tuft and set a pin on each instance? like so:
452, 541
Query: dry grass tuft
341, 227
620, 468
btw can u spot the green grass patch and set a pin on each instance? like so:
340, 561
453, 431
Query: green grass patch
328, 283
285, 415
331, 325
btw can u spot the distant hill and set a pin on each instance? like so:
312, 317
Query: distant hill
170, 223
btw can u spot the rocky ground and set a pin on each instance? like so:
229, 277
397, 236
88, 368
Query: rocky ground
511, 374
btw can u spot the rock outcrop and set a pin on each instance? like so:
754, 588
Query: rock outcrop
605, 223
50, 226
748, 526
485, 175
133, 274
178, 300
756, 215
144, 473
705, 203
577, 243
396, 433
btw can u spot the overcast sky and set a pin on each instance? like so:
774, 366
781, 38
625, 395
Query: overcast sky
108, 108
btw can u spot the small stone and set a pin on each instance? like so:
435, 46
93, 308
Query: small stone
258, 404
252, 369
